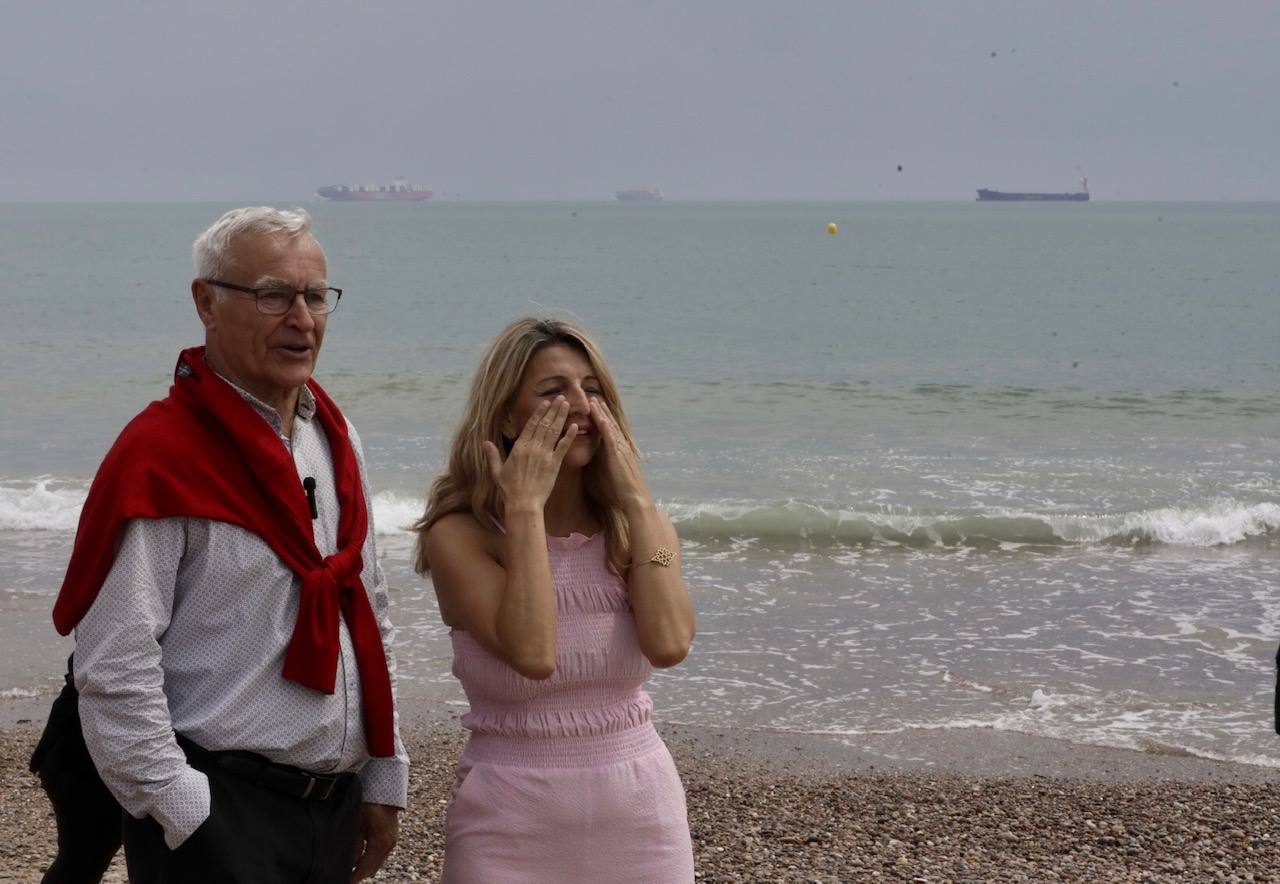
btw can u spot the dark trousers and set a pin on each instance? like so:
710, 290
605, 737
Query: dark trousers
254, 833
88, 817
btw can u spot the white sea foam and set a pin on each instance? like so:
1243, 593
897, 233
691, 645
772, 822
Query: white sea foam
46, 503
1118, 721
1125, 720
1221, 522
393, 513
1135, 736
18, 693
40, 504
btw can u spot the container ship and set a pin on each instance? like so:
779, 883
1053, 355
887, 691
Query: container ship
639, 195
399, 191
1080, 196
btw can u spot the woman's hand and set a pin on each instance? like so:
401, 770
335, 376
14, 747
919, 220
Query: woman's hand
529, 473
620, 459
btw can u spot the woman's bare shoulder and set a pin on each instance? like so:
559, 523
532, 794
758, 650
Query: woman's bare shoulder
461, 534
465, 559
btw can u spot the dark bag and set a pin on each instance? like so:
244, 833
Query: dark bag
63, 723
88, 816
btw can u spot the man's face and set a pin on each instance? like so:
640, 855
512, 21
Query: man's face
269, 356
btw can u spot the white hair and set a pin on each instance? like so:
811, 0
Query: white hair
212, 248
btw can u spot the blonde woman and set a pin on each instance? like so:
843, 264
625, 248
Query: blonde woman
561, 581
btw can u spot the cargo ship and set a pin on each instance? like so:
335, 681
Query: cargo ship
398, 191
1080, 196
639, 195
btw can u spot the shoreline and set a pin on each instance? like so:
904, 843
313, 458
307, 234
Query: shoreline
767, 806
976, 752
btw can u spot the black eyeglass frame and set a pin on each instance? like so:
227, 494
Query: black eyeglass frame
257, 296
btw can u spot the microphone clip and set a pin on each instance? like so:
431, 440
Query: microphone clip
309, 485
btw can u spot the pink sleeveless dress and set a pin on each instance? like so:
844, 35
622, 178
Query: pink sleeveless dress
566, 780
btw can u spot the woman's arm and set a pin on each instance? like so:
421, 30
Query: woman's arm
509, 607
659, 599
664, 612
511, 610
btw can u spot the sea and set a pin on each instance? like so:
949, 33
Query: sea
957, 466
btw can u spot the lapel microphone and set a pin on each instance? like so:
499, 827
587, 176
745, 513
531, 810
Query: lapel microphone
309, 485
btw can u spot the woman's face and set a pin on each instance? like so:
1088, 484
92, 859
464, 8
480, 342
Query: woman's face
558, 370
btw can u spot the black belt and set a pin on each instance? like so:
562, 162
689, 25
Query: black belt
254, 768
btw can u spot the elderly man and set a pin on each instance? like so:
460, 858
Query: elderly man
233, 650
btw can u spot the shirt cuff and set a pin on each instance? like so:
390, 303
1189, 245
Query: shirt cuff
182, 806
385, 781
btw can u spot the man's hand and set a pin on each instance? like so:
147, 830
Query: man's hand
379, 829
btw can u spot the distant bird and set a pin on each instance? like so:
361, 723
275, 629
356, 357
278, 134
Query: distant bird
993, 53
899, 168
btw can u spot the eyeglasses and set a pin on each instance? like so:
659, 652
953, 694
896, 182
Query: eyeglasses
278, 301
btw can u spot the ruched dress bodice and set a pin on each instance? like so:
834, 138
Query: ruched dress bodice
597, 686
565, 778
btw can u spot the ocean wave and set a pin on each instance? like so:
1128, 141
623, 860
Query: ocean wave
50, 504
41, 504
1217, 523
395, 513
19, 693
46, 503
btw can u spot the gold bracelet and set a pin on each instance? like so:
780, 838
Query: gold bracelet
661, 556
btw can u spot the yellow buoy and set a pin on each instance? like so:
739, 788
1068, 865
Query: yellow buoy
832, 229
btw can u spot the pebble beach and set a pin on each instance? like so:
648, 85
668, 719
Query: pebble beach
788, 808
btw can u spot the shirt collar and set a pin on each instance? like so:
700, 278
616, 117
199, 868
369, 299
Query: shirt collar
305, 409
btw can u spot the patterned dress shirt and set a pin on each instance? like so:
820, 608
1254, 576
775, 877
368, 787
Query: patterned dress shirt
189, 633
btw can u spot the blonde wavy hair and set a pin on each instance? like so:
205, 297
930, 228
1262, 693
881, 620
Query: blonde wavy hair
466, 484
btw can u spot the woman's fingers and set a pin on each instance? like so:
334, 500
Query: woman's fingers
618, 452
608, 416
533, 425
495, 459
609, 431
604, 421
555, 422
566, 441
544, 425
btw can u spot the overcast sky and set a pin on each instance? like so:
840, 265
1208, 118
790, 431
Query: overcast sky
266, 100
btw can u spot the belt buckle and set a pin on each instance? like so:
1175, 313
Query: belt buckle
318, 788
